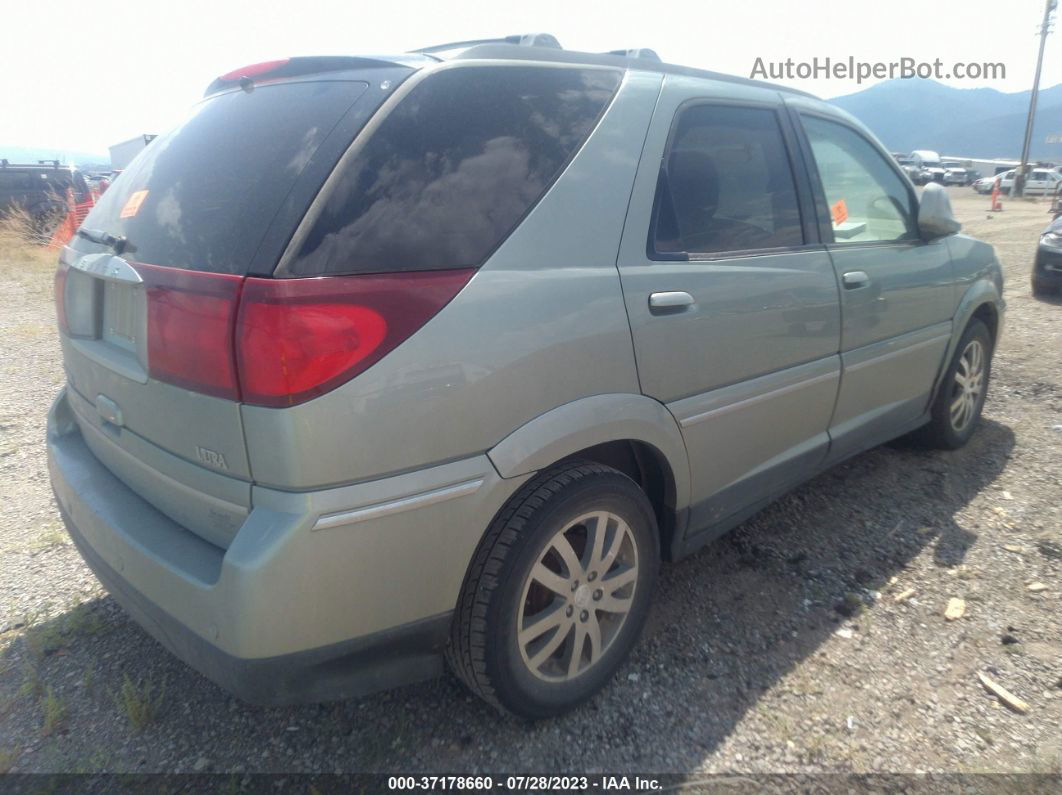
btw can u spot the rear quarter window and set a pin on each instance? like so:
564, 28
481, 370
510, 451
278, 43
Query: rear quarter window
452, 169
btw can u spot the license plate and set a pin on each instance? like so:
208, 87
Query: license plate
120, 315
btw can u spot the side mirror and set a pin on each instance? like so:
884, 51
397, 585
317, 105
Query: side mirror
935, 218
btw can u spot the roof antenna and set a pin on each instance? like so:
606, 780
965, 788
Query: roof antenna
247, 84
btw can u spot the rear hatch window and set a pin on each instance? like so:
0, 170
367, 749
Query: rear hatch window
202, 196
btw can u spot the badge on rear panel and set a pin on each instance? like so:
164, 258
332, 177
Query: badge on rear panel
211, 458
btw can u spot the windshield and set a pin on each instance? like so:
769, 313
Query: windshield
202, 196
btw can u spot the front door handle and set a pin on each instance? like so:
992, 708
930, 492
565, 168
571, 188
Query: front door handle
853, 280
673, 301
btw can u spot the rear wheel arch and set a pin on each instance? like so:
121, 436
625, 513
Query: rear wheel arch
632, 433
649, 468
987, 314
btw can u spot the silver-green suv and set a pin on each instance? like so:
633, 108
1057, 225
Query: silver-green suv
376, 362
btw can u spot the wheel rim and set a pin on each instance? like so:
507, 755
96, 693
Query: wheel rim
969, 385
577, 596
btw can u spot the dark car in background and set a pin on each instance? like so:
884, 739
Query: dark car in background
45, 190
1047, 269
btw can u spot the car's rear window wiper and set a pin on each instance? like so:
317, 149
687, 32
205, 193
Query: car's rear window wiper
117, 244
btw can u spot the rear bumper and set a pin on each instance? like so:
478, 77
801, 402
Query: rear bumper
322, 595
391, 658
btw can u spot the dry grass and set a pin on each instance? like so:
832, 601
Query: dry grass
24, 251
54, 712
140, 703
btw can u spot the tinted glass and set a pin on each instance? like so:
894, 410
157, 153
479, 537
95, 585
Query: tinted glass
726, 185
202, 196
15, 180
453, 168
37, 180
868, 200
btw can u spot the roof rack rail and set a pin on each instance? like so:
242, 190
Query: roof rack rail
523, 40
641, 52
54, 163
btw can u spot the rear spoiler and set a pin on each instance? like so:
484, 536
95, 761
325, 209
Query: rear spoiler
247, 76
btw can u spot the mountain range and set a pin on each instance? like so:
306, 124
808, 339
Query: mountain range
961, 122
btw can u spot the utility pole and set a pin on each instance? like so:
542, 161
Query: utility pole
1019, 178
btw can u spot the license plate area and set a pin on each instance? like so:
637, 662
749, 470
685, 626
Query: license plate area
107, 320
122, 324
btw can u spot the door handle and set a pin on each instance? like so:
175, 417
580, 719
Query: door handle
853, 280
662, 302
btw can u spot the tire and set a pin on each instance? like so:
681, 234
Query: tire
522, 674
945, 431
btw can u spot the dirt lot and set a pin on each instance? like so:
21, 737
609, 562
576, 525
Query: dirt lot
810, 639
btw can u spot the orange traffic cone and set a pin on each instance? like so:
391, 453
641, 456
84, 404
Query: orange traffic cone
997, 205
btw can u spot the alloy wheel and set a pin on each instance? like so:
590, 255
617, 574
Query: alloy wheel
968, 386
577, 596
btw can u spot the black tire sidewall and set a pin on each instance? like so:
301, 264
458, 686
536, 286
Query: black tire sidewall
516, 687
944, 430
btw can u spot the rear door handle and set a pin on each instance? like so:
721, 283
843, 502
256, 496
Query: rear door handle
662, 302
853, 280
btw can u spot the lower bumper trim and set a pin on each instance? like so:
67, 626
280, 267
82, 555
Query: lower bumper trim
391, 658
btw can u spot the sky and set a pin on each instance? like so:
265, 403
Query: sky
84, 74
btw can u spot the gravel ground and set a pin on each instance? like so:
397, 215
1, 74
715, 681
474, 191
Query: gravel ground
810, 639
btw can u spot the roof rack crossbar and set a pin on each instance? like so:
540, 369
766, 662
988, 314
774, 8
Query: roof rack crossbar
523, 40
643, 53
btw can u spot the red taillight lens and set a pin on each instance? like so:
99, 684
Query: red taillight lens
299, 338
190, 325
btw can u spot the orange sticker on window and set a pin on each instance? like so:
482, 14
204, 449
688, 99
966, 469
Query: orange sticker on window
132, 204
839, 212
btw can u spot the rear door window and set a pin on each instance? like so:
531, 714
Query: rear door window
868, 201
202, 196
726, 184
452, 169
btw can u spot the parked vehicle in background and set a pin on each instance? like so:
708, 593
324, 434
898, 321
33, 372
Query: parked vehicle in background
929, 165
958, 174
1047, 267
99, 183
984, 185
46, 191
910, 168
449, 352
1041, 182
122, 154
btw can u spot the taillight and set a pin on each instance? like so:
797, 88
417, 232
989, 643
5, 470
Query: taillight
60, 295
299, 338
190, 319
